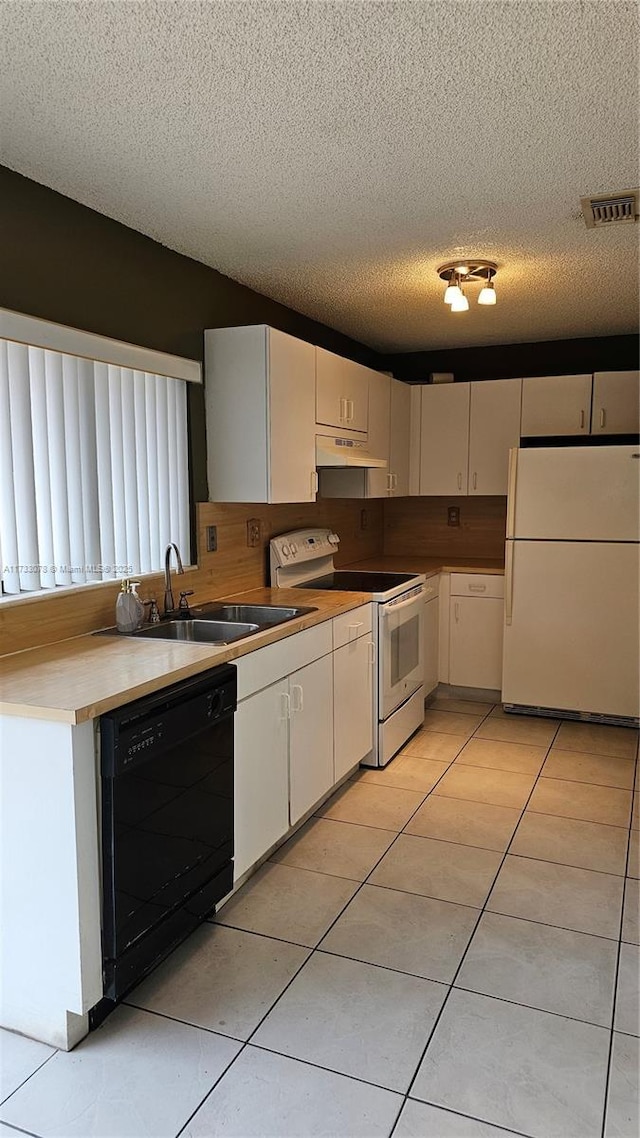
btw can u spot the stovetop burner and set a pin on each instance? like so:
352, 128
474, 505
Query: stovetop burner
354, 581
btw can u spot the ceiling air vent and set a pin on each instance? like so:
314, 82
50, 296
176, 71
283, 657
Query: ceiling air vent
609, 209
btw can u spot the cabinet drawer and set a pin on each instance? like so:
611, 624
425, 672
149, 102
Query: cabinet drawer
351, 625
477, 585
265, 666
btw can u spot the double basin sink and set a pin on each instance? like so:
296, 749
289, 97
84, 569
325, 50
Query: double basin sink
217, 623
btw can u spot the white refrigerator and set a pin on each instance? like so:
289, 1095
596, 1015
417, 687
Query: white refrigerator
572, 582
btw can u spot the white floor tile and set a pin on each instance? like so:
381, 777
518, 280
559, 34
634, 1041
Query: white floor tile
222, 979
628, 998
19, 1058
138, 1076
515, 1067
442, 870
338, 848
355, 1019
421, 1121
270, 1096
560, 895
623, 1116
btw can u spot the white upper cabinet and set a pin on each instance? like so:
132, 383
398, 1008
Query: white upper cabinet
616, 403
260, 414
378, 480
444, 438
556, 405
342, 392
494, 428
399, 437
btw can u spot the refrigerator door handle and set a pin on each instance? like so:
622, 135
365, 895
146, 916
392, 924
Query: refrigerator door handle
511, 492
508, 583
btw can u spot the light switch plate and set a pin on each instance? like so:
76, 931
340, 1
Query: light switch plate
453, 515
212, 539
253, 532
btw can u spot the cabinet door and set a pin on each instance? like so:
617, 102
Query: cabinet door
310, 736
261, 770
431, 637
494, 428
353, 704
399, 438
342, 392
378, 482
292, 419
444, 438
616, 403
556, 405
356, 392
475, 642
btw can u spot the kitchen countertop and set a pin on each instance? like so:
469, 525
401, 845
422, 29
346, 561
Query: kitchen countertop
80, 678
429, 565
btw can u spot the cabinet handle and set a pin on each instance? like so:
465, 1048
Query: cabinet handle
349, 410
581, 420
297, 703
343, 410
477, 588
285, 706
460, 482
389, 482
603, 416
314, 482
456, 612
475, 480
394, 485
372, 652
353, 628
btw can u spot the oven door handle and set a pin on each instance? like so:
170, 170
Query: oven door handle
391, 609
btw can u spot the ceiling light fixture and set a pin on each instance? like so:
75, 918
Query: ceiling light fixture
457, 274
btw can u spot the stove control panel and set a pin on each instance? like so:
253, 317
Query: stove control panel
303, 545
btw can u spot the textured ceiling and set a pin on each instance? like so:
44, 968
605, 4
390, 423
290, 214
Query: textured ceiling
332, 155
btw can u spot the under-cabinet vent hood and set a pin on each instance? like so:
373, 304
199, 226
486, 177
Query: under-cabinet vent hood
332, 450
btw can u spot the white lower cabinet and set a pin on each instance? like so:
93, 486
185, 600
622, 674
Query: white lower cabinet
352, 704
304, 719
476, 622
261, 793
310, 736
431, 634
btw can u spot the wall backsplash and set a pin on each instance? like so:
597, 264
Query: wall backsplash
418, 526
234, 567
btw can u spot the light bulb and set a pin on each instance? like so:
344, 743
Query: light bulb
452, 292
487, 294
460, 303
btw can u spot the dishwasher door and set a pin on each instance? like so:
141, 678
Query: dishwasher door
167, 820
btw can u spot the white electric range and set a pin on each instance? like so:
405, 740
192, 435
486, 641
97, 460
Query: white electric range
303, 559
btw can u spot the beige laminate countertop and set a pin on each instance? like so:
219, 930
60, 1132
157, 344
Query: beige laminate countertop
78, 679
429, 565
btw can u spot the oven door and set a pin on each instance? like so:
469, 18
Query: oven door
401, 640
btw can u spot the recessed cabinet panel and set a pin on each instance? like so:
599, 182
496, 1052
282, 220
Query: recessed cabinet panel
494, 428
616, 403
556, 405
444, 443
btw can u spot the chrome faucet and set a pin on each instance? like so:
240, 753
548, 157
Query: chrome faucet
169, 606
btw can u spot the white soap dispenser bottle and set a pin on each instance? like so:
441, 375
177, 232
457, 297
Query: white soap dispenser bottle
129, 607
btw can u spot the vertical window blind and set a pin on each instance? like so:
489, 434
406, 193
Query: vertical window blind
93, 469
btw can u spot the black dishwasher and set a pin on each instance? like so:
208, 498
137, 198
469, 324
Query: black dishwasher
167, 821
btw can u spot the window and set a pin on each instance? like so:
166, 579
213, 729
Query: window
93, 460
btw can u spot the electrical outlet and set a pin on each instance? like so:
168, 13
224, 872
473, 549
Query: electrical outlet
212, 539
253, 532
364, 520
453, 515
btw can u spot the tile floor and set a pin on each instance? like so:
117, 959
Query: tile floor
449, 949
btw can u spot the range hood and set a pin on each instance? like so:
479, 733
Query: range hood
333, 450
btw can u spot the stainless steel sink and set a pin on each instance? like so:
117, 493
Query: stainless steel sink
199, 631
263, 615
